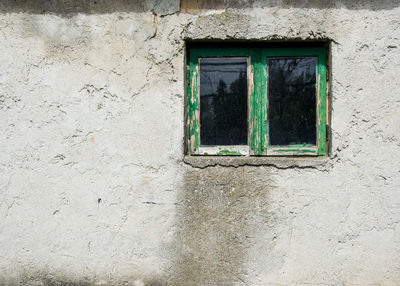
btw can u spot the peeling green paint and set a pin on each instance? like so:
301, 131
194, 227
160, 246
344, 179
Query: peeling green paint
320, 53
321, 107
259, 105
193, 96
230, 153
192, 106
295, 150
258, 99
294, 145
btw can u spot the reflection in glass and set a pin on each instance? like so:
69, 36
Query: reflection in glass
292, 100
223, 101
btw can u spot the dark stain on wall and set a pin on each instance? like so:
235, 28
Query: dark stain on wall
195, 6
218, 210
71, 7
45, 278
164, 7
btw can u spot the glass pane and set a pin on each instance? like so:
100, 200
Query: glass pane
292, 100
223, 101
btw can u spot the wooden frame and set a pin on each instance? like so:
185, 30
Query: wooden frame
257, 102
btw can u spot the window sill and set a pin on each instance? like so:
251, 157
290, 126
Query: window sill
321, 163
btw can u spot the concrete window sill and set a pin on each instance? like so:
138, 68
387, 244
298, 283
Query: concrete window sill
278, 162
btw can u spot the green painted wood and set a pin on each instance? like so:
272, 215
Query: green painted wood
260, 104
229, 153
252, 105
294, 146
193, 106
295, 150
321, 119
320, 53
193, 98
196, 53
258, 99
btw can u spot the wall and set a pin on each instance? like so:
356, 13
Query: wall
94, 189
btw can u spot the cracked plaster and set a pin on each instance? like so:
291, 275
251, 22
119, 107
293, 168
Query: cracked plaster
94, 186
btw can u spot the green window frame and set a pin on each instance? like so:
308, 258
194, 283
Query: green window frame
257, 102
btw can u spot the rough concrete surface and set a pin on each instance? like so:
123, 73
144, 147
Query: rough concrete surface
94, 189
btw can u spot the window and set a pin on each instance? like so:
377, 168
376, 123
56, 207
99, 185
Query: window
262, 101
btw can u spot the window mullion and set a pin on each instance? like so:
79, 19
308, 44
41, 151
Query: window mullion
259, 104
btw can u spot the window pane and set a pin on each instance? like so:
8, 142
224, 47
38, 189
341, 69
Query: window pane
292, 100
223, 101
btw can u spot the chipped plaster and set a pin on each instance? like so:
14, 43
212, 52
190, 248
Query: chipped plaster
94, 186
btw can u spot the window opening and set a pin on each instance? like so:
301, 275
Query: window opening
263, 101
292, 100
223, 101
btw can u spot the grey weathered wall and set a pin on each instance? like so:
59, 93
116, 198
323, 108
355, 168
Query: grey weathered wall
93, 186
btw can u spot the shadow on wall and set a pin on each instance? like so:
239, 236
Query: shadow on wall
71, 7
164, 7
219, 212
192, 6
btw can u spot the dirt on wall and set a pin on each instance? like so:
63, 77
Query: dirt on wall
94, 185
219, 211
166, 7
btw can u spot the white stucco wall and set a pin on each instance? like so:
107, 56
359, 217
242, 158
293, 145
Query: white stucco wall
93, 187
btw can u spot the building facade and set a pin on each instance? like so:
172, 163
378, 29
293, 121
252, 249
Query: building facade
96, 184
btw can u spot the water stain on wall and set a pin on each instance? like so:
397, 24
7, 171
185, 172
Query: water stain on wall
217, 209
68, 8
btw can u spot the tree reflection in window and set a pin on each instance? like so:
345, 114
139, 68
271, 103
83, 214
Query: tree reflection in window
223, 101
292, 100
